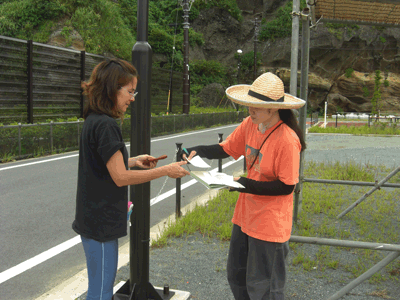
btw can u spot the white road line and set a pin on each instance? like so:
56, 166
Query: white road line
34, 261
42, 257
127, 144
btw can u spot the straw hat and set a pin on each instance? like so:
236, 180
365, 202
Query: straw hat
267, 91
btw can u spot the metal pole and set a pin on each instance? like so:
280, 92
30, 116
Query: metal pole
19, 139
336, 119
239, 67
344, 243
305, 51
140, 132
256, 31
379, 266
376, 187
346, 182
178, 212
295, 47
186, 92
29, 62
220, 160
83, 65
51, 135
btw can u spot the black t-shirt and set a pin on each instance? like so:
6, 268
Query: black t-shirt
101, 206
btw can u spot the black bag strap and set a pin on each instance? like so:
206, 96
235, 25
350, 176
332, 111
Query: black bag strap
258, 151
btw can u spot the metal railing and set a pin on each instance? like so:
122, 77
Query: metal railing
27, 140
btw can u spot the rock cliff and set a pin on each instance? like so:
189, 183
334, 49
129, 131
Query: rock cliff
364, 49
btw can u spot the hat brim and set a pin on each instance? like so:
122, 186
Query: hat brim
239, 95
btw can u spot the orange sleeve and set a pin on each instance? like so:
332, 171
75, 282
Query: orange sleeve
288, 162
235, 143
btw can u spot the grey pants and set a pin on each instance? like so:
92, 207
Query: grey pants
256, 268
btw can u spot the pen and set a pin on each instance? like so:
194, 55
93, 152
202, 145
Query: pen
184, 149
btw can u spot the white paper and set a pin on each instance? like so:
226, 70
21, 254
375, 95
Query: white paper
198, 162
212, 179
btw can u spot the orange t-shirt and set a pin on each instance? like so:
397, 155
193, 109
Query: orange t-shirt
267, 218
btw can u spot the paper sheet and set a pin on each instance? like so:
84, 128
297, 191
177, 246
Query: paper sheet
198, 162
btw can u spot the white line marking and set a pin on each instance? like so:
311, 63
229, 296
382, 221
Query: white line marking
34, 261
127, 145
42, 257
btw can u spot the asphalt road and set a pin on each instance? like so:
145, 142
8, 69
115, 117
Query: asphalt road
38, 207
38, 203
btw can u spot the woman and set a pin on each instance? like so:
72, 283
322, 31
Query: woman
271, 141
103, 173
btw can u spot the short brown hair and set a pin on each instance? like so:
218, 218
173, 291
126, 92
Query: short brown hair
102, 88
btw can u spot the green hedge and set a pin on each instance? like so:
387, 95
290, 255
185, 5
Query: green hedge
41, 139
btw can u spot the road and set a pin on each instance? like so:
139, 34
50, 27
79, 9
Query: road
38, 203
38, 207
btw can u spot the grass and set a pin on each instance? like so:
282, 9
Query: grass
375, 128
374, 220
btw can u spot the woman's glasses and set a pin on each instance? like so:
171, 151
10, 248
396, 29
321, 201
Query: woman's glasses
132, 94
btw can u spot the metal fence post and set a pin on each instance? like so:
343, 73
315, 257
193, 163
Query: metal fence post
78, 134
83, 65
51, 136
336, 119
19, 139
178, 184
29, 70
220, 159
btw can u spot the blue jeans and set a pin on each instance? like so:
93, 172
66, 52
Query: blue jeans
102, 262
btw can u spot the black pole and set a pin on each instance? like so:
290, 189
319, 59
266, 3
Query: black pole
256, 31
336, 119
140, 144
30, 81
170, 91
83, 63
186, 94
178, 212
220, 160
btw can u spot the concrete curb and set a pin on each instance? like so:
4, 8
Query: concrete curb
75, 286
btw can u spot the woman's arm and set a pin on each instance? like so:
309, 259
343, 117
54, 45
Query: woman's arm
123, 177
211, 151
267, 188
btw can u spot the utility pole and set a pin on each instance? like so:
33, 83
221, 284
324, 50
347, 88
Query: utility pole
186, 6
257, 23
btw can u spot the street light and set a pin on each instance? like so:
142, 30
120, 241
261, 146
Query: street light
186, 6
239, 52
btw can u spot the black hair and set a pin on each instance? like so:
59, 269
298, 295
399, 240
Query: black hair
288, 117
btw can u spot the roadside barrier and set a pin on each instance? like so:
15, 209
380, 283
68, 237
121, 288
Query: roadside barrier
31, 140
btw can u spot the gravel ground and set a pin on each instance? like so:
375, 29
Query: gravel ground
198, 264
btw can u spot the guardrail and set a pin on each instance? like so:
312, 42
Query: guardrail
29, 140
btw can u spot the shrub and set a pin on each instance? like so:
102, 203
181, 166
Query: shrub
247, 60
349, 72
228, 5
204, 72
103, 29
19, 18
281, 26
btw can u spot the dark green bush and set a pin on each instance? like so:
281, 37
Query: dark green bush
247, 60
207, 71
281, 26
19, 18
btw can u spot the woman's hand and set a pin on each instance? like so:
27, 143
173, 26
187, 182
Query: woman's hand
236, 178
175, 170
193, 153
141, 162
